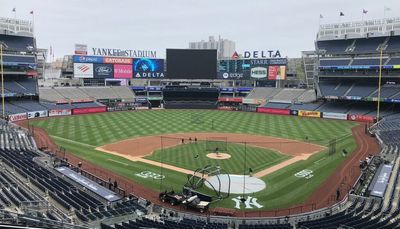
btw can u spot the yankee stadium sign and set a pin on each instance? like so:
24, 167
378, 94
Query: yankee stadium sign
124, 53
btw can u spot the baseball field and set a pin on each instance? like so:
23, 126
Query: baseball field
290, 154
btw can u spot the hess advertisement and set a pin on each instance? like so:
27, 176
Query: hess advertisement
148, 68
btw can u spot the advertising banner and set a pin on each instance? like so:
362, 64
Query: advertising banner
233, 69
312, 114
88, 110
37, 114
148, 68
332, 115
103, 71
17, 117
273, 111
117, 60
228, 99
59, 112
360, 118
83, 70
87, 59
259, 72
277, 72
122, 71
80, 49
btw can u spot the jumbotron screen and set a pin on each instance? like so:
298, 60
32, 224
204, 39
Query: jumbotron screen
191, 64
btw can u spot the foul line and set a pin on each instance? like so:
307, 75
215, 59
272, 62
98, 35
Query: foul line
72, 141
117, 162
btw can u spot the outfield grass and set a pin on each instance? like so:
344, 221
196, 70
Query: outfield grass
81, 134
194, 156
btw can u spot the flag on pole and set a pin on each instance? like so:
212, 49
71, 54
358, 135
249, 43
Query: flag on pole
365, 11
387, 8
14, 10
321, 16
51, 50
341, 14
31, 12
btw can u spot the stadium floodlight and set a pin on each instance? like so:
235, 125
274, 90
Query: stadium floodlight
2, 45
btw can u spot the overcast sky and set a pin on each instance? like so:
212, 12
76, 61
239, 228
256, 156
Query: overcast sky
287, 25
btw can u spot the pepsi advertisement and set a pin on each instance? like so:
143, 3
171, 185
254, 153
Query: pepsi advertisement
88, 59
103, 71
148, 68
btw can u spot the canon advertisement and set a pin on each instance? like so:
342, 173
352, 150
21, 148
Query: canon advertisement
148, 68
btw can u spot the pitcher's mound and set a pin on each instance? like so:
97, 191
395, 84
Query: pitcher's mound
219, 156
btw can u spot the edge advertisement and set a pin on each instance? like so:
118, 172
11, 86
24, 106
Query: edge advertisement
360, 118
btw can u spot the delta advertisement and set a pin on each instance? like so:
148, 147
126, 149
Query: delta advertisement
59, 112
312, 114
276, 72
148, 68
332, 115
17, 117
273, 111
83, 70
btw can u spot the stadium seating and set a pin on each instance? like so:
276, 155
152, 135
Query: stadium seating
393, 44
307, 97
333, 47
369, 45
334, 62
334, 88
394, 61
67, 93
362, 89
263, 93
368, 61
287, 95
17, 43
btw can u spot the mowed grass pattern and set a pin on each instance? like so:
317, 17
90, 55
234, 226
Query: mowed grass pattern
194, 156
100, 129
82, 133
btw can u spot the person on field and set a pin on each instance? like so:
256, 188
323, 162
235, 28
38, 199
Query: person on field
183, 141
195, 140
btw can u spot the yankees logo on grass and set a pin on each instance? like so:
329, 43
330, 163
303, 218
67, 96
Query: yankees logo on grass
148, 174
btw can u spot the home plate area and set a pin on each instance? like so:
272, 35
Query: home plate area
237, 182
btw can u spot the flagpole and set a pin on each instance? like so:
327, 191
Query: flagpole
379, 86
2, 80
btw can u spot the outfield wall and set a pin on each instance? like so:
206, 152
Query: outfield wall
316, 114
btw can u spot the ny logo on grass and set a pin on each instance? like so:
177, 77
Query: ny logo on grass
249, 203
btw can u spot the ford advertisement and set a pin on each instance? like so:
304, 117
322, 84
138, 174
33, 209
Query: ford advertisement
103, 71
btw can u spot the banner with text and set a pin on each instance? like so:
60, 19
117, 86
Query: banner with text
37, 114
360, 118
273, 111
122, 71
17, 117
59, 112
88, 110
312, 114
83, 70
332, 115
277, 72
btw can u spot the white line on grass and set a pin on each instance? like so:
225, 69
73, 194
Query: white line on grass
72, 141
118, 162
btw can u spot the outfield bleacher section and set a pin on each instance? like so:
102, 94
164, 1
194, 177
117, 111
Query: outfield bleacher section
279, 95
70, 93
